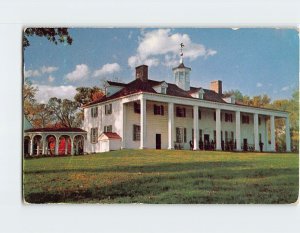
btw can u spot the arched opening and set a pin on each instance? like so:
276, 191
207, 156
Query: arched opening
37, 145
26, 145
64, 147
78, 145
50, 145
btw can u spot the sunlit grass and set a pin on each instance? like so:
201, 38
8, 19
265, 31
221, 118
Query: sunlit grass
163, 176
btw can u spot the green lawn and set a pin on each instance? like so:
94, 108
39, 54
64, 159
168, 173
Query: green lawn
163, 176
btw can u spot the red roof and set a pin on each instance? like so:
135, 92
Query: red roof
116, 84
138, 85
55, 130
112, 135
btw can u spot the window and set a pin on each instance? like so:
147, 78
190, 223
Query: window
136, 133
259, 120
108, 109
215, 135
108, 128
158, 109
180, 112
200, 134
180, 135
226, 136
260, 138
245, 119
94, 135
163, 90
232, 135
228, 117
199, 114
94, 112
137, 107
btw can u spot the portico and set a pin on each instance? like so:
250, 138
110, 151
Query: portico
246, 125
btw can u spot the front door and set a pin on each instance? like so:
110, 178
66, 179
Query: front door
206, 141
158, 141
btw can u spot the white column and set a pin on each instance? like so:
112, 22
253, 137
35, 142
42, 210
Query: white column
66, 146
170, 126
56, 145
38, 148
196, 128
218, 129
72, 145
44, 145
124, 126
238, 130
143, 123
31, 146
287, 135
272, 121
256, 137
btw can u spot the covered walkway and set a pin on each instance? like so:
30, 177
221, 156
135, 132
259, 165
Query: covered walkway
52, 141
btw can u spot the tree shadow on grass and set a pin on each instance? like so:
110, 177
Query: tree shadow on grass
161, 167
190, 183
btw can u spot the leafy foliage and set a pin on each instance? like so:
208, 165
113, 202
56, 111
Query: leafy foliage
64, 111
55, 35
86, 95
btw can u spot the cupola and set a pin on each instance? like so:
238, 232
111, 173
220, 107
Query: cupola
182, 74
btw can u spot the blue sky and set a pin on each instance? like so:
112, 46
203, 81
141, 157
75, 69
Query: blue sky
254, 61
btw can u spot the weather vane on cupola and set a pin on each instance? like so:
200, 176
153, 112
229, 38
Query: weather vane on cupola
181, 52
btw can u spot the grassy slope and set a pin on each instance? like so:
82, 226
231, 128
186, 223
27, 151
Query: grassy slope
154, 176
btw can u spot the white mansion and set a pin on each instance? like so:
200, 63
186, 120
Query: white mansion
155, 114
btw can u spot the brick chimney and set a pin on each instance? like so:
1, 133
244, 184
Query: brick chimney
216, 86
141, 72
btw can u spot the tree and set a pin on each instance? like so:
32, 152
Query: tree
65, 111
29, 100
238, 95
55, 35
43, 116
86, 95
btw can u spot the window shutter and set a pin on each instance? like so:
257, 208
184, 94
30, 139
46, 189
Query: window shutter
184, 134
177, 135
162, 110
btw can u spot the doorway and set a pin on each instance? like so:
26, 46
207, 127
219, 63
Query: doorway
245, 144
158, 141
206, 142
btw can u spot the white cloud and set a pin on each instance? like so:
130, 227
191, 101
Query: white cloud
45, 92
163, 42
48, 69
31, 73
51, 79
259, 85
40, 71
285, 88
106, 69
81, 72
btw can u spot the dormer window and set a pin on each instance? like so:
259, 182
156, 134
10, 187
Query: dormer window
201, 94
161, 88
